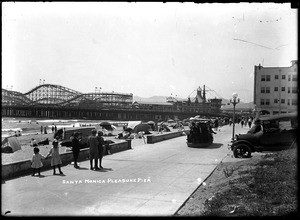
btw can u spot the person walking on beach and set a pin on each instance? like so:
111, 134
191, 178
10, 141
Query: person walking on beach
100, 148
92, 143
76, 148
55, 157
36, 161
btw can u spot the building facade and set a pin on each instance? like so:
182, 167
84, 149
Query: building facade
276, 89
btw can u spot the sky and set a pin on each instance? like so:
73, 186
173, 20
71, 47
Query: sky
148, 49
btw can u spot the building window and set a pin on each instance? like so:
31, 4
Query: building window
263, 90
268, 78
288, 102
283, 76
275, 101
289, 77
267, 101
294, 89
294, 101
262, 102
282, 89
294, 78
276, 76
263, 77
267, 89
276, 89
289, 89
282, 101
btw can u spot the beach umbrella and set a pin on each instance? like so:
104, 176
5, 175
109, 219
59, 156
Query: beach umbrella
151, 123
105, 123
141, 127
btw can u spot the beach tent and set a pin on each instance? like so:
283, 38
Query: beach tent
11, 142
132, 124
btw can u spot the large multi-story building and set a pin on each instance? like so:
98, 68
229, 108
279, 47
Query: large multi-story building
275, 89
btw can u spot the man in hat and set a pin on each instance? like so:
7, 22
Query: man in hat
76, 148
93, 145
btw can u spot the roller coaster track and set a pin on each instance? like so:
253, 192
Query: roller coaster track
60, 96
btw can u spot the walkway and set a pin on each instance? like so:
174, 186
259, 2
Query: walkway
151, 179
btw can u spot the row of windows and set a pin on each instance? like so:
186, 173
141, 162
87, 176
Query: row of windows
276, 101
267, 89
268, 77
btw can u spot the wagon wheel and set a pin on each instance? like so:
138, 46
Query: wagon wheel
242, 151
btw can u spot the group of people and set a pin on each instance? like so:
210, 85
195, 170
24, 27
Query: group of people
95, 143
200, 132
36, 161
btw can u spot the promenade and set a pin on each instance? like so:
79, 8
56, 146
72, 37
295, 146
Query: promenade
148, 180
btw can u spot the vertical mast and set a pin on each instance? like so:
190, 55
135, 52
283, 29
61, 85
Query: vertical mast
204, 98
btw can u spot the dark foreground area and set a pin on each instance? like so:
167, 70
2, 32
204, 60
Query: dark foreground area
264, 185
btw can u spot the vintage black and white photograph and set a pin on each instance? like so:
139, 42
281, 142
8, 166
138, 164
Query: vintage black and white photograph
149, 109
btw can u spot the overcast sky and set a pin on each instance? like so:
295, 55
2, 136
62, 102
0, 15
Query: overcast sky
145, 48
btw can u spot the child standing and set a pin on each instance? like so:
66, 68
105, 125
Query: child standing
55, 160
36, 161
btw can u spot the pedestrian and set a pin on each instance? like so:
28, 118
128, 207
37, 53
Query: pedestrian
100, 148
249, 122
76, 148
92, 143
242, 122
41, 129
230, 121
55, 157
52, 129
36, 161
45, 130
216, 124
55, 128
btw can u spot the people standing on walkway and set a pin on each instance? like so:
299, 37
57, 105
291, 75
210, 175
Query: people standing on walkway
249, 122
230, 121
76, 148
92, 143
55, 157
36, 161
216, 124
100, 148
42, 129
242, 122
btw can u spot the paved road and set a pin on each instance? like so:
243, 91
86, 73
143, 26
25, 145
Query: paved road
149, 180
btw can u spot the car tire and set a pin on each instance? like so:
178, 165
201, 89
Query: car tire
242, 151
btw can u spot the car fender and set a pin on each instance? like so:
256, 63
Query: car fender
242, 142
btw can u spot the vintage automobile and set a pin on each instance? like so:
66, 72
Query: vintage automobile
200, 134
279, 132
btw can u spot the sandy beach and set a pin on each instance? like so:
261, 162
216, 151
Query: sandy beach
31, 129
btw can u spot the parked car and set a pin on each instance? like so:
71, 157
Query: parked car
279, 132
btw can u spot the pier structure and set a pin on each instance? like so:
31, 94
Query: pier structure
55, 101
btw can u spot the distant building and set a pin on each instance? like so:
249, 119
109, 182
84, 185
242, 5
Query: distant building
275, 89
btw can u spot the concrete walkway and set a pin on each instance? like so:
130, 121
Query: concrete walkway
149, 180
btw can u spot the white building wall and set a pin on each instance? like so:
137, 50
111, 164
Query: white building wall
276, 89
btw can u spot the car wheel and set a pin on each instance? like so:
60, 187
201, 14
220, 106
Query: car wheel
242, 151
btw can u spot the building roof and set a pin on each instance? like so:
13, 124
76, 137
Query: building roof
153, 103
